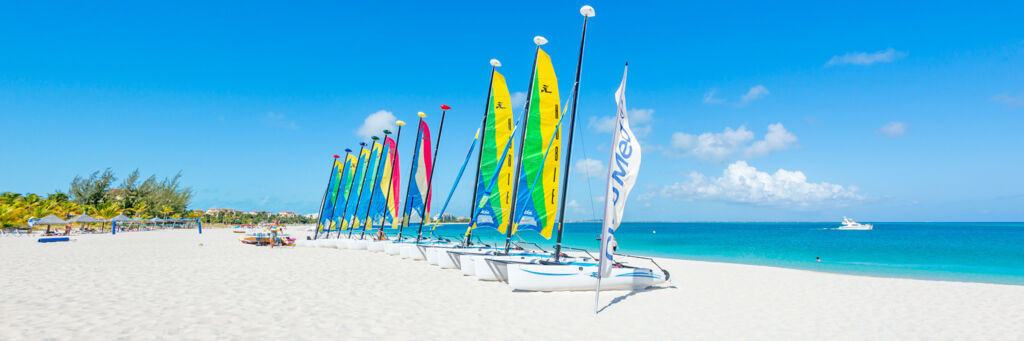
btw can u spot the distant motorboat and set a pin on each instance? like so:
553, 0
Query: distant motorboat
849, 224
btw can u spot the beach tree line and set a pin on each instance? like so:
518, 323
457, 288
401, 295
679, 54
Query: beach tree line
100, 195
238, 218
96, 196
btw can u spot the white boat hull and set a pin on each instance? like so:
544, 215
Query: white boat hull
452, 258
489, 270
393, 249
467, 263
412, 251
538, 277
377, 245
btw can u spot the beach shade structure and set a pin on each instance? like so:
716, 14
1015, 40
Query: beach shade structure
119, 219
50, 220
85, 219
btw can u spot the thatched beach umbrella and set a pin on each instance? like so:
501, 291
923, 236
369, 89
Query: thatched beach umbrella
119, 219
85, 219
50, 220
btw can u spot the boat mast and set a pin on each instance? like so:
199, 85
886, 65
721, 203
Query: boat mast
359, 197
587, 12
408, 186
430, 179
480, 155
522, 139
391, 184
322, 201
373, 183
348, 197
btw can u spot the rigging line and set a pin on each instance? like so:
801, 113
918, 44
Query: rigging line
593, 211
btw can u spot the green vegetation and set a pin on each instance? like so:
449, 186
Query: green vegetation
236, 218
95, 195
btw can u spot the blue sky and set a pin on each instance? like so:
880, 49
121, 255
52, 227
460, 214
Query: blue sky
881, 111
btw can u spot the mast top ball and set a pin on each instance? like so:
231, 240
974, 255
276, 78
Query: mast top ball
400, 122
445, 107
495, 63
374, 138
421, 114
540, 40
362, 144
587, 11
336, 156
348, 150
387, 132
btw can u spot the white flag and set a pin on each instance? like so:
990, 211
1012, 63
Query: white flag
622, 171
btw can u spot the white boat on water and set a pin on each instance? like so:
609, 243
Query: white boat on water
849, 224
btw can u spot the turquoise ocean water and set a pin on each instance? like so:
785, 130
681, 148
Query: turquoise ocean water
974, 252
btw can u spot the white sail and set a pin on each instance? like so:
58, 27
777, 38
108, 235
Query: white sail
622, 172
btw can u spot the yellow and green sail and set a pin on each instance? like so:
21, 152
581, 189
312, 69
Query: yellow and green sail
537, 199
493, 210
351, 162
364, 162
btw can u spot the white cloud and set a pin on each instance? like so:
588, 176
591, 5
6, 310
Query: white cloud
893, 129
603, 124
863, 58
639, 122
280, 121
776, 139
1011, 101
719, 147
709, 97
518, 100
375, 123
714, 147
574, 205
590, 168
743, 183
756, 92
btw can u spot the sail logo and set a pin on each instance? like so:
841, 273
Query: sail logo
544, 89
499, 106
623, 152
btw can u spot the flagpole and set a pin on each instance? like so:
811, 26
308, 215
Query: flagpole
604, 228
319, 215
480, 156
359, 197
587, 12
373, 183
522, 140
430, 179
391, 184
349, 195
338, 190
408, 185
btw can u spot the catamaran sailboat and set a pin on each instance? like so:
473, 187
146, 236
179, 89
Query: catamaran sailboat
605, 274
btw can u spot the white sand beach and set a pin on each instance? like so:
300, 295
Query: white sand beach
165, 285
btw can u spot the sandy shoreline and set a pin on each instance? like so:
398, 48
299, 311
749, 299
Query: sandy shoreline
164, 285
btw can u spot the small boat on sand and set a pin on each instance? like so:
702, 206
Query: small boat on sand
263, 238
